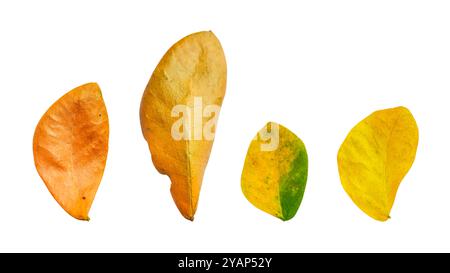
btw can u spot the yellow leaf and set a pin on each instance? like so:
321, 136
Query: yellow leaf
179, 110
70, 146
375, 157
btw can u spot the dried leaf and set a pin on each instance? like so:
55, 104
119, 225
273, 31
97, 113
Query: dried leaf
70, 146
275, 171
179, 110
375, 157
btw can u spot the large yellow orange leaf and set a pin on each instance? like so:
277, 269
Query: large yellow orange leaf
375, 157
70, 147
179, 110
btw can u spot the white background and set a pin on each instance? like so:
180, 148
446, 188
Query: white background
317, 67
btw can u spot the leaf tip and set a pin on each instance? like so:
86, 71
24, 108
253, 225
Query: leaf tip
82, 217
285, 218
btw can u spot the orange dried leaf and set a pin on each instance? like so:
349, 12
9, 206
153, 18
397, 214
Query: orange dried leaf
70, 147
184, 94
